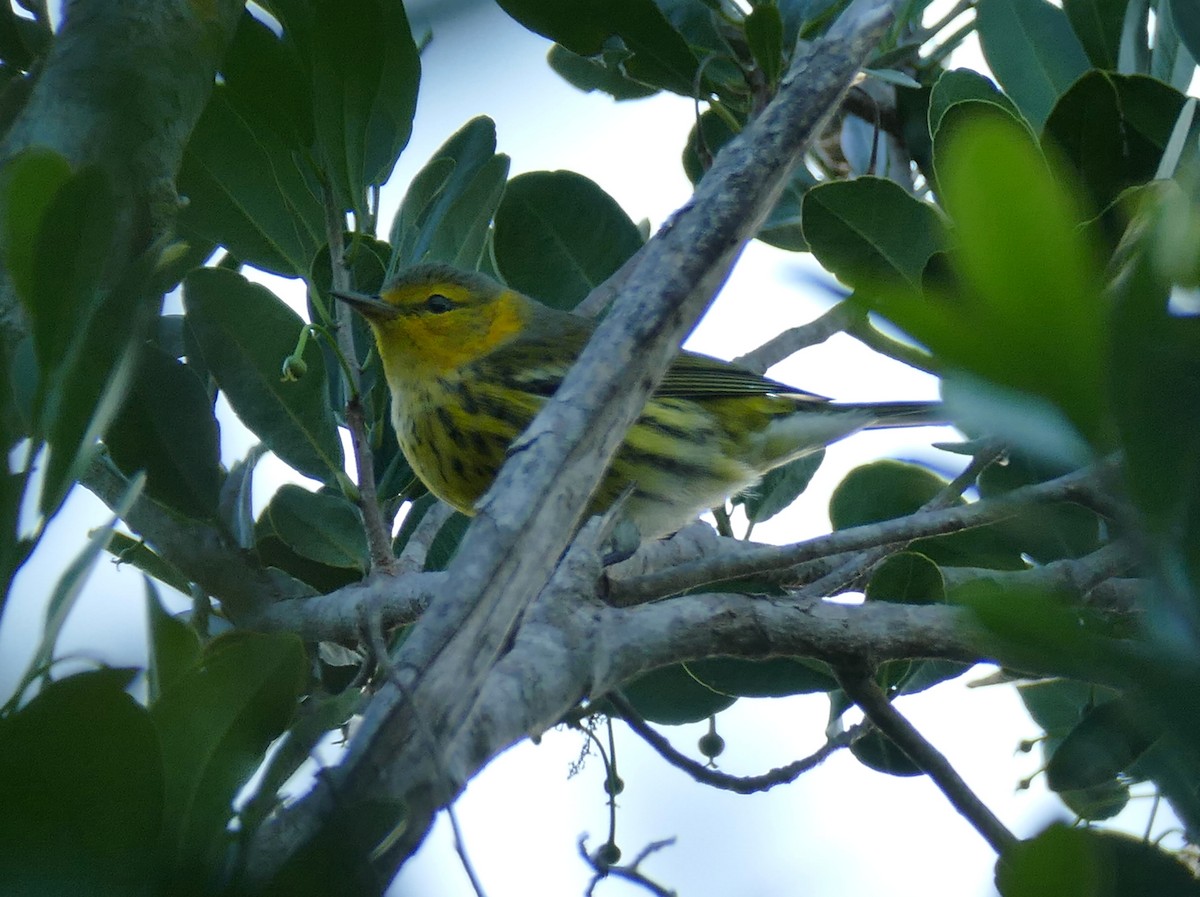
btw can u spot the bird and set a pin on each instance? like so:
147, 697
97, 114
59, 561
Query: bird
469, 362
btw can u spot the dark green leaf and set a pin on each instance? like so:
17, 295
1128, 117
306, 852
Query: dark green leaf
775, 678
558, 235
1034, 53
445, 543
450, 203
245, 191
907, 578
1105, 743
174, 646
869, 231
81, 791
1097, 24
1085, 862
1097, 802
215, 723
320, 526
266, 75
166, 428
1113, 130
878, 752
964, 86
764, 36
365, 75
244, 332
605, 73
236, 506
1186, 17
28, 183
779, 488
672, 696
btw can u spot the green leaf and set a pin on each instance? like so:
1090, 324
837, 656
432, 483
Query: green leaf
245, 191
779, 488
445, 544
558, 236
1028, 315
774, 678
244, 332
127, 550
1186, 17
29, 182
81, 791
1034, 53
965, 86
1104, 744
215, 724
764, 35
268, 78
1084, 862
908, 577
166, 428
446, 213
878, 752
1097, 24
365, 75
605, 73
174, 646
659, 54
869, 231
671, 696
236, 507
320, 526
1113, 130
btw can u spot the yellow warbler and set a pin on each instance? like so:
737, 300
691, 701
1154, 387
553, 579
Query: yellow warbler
469, 362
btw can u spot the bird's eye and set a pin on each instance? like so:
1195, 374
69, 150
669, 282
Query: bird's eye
437, 303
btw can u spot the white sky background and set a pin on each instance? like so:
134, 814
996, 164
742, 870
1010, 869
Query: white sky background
839, 830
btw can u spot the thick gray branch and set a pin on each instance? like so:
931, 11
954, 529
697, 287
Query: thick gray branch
528, 517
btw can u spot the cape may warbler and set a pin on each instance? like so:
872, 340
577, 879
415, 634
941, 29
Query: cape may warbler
470, 362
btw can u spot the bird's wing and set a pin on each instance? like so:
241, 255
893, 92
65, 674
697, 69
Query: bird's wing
693, 376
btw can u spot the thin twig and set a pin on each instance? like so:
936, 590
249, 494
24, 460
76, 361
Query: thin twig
461, 847
630, 872
791, 341
878, 341
860, 686
706, 775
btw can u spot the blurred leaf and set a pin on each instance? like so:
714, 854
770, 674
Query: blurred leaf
1113, 129
244, 332
774, 678
215, 724
245, 191
764, 35
320, 526
450, 202
907, 578
1086, 862
869, 231
444, 546
558, 236
127, 550
365, 75
671, 696
166, 428
779, 488
174, 646
1034, 53
1097, 24
235, 504
659, 54
29, 182
1170, 60
1097, 802
878, 752
1186, 18
81, 791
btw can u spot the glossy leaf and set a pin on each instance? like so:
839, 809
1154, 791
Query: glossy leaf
320, 526
963, 86
1034, 53
1097, 24
244, 333
365, 75
81, 791
558, 235
215, 723
244, 190
166, 428
174, 646
446, 213
869, 231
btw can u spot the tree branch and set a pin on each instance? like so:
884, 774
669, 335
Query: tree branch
788, 343
526, 519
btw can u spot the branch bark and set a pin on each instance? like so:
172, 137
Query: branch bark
526, 520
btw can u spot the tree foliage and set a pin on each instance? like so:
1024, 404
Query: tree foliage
1036, 238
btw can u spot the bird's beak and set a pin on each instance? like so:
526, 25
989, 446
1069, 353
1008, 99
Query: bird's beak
370, 307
